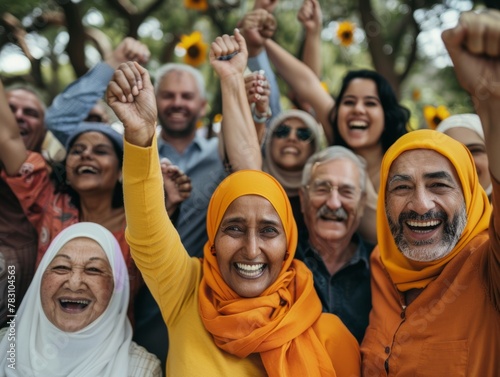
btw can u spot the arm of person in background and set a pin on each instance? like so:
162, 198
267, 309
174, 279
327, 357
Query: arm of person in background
240, 136
474, 48
13, 152
256, 26
258, 93
303, 81
311, 18
72, 106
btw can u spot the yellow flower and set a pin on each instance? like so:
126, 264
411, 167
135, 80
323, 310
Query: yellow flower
324, 85
217, 118
196, 4
435, 115
196, 49
345, 33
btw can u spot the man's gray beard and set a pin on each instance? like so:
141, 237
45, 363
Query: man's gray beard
182, 133
417, 250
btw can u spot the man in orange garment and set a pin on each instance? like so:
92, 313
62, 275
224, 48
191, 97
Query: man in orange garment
436, 270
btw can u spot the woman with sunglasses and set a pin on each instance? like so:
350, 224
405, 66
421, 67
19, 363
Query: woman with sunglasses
292, 137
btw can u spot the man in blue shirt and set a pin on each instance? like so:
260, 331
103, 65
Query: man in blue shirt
332, 200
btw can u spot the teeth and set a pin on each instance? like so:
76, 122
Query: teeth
86, 169
250, 267
358, 124
83, 302
424, 224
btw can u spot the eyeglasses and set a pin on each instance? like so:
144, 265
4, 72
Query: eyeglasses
324, 189
283, 131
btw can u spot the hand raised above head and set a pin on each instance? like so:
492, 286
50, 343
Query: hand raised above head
474, 48
129, 49
310, 16
228, 55
131, 96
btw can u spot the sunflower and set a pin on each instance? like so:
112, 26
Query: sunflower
196, 4
324, 85
196, 49
435, 115
345, 33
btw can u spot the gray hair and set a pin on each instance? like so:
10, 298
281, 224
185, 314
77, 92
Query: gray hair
333, 153
162, 71
30, 89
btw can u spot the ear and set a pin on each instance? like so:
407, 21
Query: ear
303, 199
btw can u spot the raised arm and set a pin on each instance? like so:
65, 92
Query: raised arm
72, 105
240, 136
13, 152
474, 47
311, 18
303, 81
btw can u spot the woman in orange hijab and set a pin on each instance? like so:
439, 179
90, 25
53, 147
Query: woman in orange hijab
247, 308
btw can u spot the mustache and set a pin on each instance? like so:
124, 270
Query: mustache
337, 214
431, 215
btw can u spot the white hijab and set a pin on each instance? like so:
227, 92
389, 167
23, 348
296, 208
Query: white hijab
100, 349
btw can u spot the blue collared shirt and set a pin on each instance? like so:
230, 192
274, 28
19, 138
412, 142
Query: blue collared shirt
201, 162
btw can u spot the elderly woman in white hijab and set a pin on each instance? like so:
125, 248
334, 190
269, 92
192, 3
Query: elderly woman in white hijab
73, 319
467, 129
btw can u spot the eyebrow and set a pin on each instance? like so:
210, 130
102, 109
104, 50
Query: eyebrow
433, 175
90, 259
239, 219
364, 97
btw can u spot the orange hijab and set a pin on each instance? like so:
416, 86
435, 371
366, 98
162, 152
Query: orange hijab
278, 323
407, 274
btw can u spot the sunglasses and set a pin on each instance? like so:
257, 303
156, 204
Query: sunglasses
283, 131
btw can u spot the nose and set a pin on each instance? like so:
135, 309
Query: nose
75, 279
251, 247
177, 100
18, 113
421, 201
333, 201
359, 107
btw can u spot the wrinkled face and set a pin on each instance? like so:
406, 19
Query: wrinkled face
360, 114
179, 104
29, 114
291, 144
477, 148
250, 245
92, 163
333, 203
77, 285
425, 205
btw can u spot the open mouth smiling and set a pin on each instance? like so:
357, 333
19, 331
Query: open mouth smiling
423, 226
86, 170
72, 306
358, 125
250, 271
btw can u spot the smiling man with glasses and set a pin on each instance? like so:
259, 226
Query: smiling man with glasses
332, 200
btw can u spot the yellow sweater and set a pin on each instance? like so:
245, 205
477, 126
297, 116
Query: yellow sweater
171, 274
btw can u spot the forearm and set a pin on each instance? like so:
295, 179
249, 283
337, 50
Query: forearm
240, 136
311, 54
72, 106
303, 81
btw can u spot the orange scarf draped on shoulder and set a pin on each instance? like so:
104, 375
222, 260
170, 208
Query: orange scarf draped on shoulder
408, 274
278, 324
